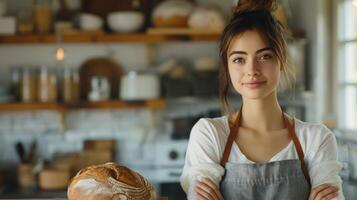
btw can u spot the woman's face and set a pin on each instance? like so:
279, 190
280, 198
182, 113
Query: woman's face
253, 66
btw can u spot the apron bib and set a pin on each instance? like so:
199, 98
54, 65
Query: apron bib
286, 179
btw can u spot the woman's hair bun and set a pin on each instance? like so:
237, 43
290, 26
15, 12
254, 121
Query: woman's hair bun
245, 6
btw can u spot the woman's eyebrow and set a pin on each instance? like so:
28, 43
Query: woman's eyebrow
238, 52
245, 53
264, 49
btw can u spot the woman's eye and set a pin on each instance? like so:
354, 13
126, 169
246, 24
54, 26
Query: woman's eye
239, 60
265, 57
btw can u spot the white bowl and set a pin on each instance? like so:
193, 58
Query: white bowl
125, 21
90, 22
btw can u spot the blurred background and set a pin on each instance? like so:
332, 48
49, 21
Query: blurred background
84, 82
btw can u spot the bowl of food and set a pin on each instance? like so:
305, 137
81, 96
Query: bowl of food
125, 21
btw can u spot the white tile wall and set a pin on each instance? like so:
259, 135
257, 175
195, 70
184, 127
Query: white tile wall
22, 122
130, 125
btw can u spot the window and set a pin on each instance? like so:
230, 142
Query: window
347, 64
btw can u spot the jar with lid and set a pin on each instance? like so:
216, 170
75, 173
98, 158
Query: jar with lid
69, 85
47, 84
27, 84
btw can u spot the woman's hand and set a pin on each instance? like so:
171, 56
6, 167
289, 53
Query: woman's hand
324, 192
207, 190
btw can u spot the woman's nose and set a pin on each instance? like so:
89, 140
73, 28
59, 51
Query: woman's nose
253, 69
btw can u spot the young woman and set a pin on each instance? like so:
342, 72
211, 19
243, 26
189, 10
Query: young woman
265, 153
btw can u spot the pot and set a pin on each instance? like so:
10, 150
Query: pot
139, 86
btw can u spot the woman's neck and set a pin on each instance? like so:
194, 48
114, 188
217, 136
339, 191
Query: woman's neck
262, 115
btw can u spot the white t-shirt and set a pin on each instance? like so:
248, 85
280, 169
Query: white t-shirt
209, 136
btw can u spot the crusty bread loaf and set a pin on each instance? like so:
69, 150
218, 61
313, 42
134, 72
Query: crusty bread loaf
109, 182
172, 13
172, 22
206, 18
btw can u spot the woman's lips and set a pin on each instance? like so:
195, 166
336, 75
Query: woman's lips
253, 85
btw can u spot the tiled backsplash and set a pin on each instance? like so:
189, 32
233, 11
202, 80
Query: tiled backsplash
45, 127
22, 122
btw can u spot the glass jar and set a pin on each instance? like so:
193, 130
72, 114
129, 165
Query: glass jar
43, 16
27, 84
15, 73
25, 21
70, 85
47, 85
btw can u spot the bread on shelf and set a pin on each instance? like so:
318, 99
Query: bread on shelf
172, 13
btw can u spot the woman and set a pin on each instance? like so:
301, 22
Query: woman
264, 153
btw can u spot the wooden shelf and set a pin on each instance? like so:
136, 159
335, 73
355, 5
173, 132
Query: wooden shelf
98, 37
29, 106
151, 104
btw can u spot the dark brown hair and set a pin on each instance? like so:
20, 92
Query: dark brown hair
253, 15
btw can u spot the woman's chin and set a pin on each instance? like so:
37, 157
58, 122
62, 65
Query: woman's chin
255, 95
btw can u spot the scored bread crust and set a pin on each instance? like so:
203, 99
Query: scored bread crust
110, 182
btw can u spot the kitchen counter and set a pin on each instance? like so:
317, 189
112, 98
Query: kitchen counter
12, 193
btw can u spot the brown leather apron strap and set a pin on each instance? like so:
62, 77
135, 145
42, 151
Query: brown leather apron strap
232, 135
298, 148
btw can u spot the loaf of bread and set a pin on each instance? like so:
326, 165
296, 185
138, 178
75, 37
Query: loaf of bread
206, 18
109, 182
172, 13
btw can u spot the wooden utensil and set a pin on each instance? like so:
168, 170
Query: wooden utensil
21, 152
32, 153
100, 67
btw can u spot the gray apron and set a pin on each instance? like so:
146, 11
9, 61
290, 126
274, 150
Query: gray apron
287, 179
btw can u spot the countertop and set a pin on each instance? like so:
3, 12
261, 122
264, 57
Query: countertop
13, 193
